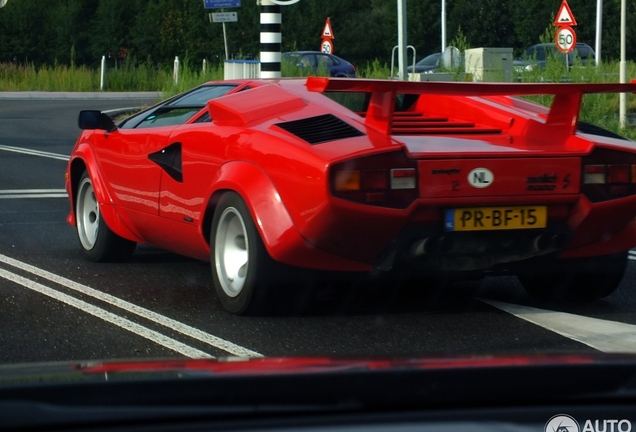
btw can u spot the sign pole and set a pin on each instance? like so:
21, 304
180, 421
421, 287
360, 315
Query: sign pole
401, 11
225, 40
443, 26
622, 113
599, 28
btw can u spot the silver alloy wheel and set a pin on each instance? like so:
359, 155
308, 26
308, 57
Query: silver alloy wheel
231, 252
87, 214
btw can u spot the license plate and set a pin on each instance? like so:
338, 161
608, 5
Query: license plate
496, 218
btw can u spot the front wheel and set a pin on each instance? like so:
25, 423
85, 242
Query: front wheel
242, 269
97, 241
575, 280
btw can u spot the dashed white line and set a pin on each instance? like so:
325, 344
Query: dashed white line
34, 152
603, 335
162, 320
32, 193
110, 317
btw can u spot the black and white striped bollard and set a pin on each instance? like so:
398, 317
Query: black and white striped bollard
270, 39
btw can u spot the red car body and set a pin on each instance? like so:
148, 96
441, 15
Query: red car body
453, 177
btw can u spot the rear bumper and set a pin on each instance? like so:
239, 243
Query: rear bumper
381, 237
433, 250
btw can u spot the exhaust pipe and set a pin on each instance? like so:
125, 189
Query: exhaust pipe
541, 243
419, 248
559, 241
431, 245
544, 242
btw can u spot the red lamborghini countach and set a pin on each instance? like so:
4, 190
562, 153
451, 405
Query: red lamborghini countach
361, 175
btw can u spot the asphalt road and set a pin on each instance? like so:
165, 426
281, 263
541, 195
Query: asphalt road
55, 305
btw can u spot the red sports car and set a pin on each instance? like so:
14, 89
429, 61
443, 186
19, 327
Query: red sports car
362, 175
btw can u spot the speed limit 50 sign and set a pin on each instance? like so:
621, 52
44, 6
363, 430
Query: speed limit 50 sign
326, 46
565, 39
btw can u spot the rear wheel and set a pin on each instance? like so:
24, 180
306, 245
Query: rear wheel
97, 241
242, 269
575, 280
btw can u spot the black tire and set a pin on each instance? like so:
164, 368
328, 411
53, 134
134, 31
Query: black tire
97, 242
577, 280
242, 269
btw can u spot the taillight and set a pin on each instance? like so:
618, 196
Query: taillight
594, 174
608, 174
387, 180
620, 174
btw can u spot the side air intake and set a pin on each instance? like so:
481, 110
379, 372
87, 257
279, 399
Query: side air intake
320, 129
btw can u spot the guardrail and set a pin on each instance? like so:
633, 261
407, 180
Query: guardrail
240, 69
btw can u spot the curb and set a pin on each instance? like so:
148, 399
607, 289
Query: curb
42, 95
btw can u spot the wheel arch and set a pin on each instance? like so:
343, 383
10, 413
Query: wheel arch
206, 223
76, 168
257, 190
84, 160
280, 236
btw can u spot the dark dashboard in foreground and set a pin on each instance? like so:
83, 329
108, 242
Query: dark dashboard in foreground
574, 393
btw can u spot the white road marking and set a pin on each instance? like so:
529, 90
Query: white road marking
110, 317
177, 326
35, 152
33, 193
603, 335
125, 109
632, 255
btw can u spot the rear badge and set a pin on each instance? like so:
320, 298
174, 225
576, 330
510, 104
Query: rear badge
480, 178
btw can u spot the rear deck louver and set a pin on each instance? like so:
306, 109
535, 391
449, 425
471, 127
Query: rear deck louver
412, 123
320, 129
417, 123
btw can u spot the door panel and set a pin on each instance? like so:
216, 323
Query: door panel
201, 157
131, 176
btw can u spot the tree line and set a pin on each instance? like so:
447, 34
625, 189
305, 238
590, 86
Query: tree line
80, 32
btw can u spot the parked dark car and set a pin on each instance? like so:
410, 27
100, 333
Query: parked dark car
536, 55
429, 64
336, 66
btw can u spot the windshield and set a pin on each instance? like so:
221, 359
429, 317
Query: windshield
170, 191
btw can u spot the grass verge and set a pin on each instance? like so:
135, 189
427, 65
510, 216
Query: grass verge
600, 109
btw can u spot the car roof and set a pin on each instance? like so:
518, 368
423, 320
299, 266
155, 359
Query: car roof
306, 52
552, 44
429, 57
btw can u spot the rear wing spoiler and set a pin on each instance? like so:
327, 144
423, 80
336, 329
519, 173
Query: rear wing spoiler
563, 114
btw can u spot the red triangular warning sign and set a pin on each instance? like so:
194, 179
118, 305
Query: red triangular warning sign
327, 32
565, 16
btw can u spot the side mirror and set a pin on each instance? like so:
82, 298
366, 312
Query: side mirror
90, 119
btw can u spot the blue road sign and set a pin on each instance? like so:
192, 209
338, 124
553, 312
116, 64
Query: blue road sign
218, 4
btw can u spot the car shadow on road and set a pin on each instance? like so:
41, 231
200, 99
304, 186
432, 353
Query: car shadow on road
151, 254
342, 294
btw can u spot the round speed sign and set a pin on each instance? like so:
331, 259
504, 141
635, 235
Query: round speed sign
565, 39
326, 46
